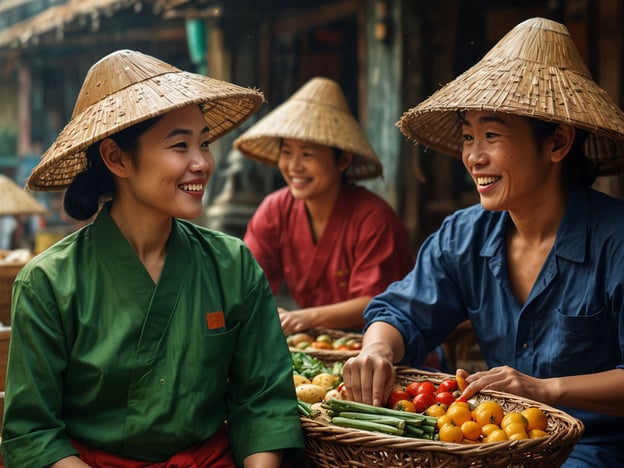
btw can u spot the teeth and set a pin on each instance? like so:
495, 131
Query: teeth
297, 180
192, 187
486, 180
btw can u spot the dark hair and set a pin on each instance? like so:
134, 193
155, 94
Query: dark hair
89, 187
576, 167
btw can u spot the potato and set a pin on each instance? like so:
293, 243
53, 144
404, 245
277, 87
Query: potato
300, 379
294, 340
310, 393
325, 380
335, 394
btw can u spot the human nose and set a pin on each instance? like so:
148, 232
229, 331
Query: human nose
202, 161
473, 153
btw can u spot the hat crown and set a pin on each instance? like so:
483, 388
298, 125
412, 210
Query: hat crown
115, 72
323, 92
540, 41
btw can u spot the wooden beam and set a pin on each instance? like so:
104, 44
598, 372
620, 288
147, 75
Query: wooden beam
303, 20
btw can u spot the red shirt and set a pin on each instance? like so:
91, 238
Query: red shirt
364, 247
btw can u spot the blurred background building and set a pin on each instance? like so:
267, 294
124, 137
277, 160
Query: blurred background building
387, 54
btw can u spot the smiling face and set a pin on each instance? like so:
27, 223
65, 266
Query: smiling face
510, 169
169, 174
310, 170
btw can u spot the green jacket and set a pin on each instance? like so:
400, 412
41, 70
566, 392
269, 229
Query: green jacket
101, 354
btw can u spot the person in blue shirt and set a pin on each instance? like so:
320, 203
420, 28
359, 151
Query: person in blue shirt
538, 265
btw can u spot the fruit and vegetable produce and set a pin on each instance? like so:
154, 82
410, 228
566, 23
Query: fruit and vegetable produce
305, 341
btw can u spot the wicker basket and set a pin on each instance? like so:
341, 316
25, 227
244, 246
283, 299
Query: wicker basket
331, 354
332, 446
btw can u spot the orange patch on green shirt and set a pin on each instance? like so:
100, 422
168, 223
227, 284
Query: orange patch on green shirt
215, 320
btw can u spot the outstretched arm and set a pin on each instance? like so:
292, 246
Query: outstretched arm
600, 392
340, 315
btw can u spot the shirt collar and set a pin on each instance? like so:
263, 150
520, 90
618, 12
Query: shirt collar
571, 236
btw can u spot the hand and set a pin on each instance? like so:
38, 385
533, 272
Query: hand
294, 321
503, 379
368, 378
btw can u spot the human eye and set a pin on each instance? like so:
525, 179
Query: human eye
205, 145
179, 145
467, 137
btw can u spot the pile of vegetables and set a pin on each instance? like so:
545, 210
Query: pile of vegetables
355, 415
305, 341
315, 381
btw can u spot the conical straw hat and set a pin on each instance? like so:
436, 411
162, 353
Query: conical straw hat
128, 87
14, 200
319, 113
535, 70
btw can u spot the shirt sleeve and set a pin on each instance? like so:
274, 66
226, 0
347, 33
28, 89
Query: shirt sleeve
261, 401
426, 305
262, 237
33, 432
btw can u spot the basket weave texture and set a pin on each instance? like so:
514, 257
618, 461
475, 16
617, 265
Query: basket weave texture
331, 355
333, 446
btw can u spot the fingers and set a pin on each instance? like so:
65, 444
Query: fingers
368, 379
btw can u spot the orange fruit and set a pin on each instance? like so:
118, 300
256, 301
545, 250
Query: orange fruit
514, 417
442, 420
436, 410
451, 433
536, 418
465, 404
471, 430
497, 435
461, 383
488, 429
515, 428
518, 436
488, 412
537, 433
459, 415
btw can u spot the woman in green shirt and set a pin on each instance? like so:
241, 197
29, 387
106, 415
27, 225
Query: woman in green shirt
137, 337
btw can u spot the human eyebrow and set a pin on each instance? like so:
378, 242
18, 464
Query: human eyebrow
184, 131
492, 119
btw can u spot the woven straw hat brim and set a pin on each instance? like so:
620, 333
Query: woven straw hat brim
225, 107
14, 200
534, 71
317, 113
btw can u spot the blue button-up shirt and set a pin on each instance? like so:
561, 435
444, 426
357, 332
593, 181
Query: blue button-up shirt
572, 323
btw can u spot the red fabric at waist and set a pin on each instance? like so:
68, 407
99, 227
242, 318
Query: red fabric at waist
214, 452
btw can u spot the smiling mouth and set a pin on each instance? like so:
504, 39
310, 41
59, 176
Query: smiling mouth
483, 181
191, 187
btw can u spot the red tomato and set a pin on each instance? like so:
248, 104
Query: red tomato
396, 395
422, 401
412, 388
404, 405
427, 387
445, 398
449, 385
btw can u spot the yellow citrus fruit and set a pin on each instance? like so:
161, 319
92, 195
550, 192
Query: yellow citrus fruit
488, 412
451, 433
459, 415
471, 430
514, 417
537, 433
436, 410
536, 418
488, 428
442, 420
497, 435
515, 428
465, 404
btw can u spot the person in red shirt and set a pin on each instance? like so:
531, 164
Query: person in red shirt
333, 243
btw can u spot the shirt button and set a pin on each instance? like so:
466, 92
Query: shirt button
162, 381
525, 346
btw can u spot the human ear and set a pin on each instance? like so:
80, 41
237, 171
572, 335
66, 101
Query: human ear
115, 159
345, 160
562, 140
